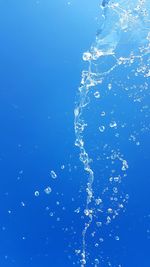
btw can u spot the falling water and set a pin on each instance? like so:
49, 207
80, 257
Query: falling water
113, 89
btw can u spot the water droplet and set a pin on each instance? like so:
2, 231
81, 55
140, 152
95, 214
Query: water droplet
87, 56
117, 238
99, 224
121, 206
98, 201
97, 94
124, 165
22, 204
113, 124
87, 212
48, 190
77, 251
109, 86
96, 261
103, 113
108, 220
116, 179
102, 128
77, 210
115, 190
36, 193
83, 262
53, 175
110, 210
62, 167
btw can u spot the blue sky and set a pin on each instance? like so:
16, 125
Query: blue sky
40, 64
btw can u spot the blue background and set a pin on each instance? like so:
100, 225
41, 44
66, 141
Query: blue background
41, 46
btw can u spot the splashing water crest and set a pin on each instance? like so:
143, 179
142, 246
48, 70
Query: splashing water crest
117, 75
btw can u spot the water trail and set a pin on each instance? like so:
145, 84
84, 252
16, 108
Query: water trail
117, 47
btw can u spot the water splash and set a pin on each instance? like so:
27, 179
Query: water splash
118, 60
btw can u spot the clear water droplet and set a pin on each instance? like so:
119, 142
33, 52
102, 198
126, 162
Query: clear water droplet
48, 190
97, 94
53, 174
36, 193
102, 128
